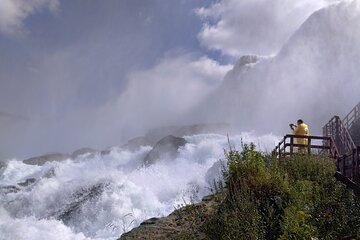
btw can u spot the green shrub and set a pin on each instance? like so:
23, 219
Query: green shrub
292, 198
296, 225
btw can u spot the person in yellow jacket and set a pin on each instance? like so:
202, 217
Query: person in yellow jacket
300, 129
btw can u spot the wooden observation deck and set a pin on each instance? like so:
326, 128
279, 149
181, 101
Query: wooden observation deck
340, 141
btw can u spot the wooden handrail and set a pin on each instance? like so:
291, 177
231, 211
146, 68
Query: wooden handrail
345, 152
336, 129
308, 137
352, 117
288, 142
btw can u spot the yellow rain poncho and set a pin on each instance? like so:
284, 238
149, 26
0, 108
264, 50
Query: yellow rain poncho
301, 129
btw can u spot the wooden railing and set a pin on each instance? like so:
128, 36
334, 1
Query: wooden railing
347, 164
352, 117
336, 142
337, 130
348, 159
288, 147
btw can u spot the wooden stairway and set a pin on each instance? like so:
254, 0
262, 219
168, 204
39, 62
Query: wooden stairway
342, 132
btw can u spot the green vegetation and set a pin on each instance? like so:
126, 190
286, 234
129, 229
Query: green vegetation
292, 198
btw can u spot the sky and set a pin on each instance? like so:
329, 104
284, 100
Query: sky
95, 73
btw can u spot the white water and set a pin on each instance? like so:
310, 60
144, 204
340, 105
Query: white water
130, 193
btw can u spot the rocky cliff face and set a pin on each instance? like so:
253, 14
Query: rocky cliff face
312, 77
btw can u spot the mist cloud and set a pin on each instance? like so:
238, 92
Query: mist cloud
239, 27
154, 96
14, 12
162, 94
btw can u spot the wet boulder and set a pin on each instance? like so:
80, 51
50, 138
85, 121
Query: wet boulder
27, 182
167, 147
9, 189
105, 152
154, 135
83, 151
135, 143
78, 200
41, 160
150, 221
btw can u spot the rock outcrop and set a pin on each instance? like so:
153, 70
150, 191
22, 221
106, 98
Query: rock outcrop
79, 198
165, 148
27, 182
82, 151
315, 64
8, 189
183, 223
135, 143
41, 160
156, 134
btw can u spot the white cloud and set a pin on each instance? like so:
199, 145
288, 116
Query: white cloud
14, 12
238, 27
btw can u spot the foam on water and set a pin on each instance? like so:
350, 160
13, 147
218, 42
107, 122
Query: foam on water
101, 197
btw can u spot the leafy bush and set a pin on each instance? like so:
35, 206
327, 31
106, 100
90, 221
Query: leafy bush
292, 198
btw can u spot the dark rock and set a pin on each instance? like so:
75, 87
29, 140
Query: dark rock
105, 152
166, 147
82, 151
135, 143
27, 182
208, 198
79, 198
9, 189
41, 160
178, 224
150, 221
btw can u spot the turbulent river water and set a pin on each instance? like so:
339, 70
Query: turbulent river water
102, 196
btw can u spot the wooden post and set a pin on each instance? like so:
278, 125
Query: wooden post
353, 165
279, 150
357, 164
331, 145
337, 134
284, 150
309, 145
291, 145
